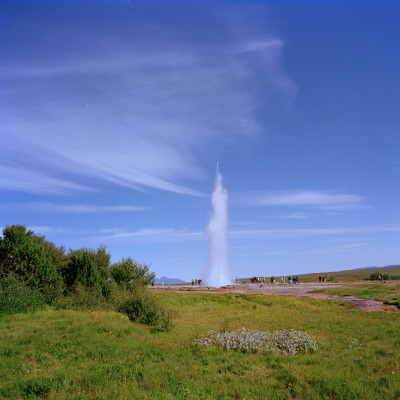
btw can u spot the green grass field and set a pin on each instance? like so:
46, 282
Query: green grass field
101, 355
389, 295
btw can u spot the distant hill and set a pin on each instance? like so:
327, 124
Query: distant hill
353, 274
344, 275
168, 281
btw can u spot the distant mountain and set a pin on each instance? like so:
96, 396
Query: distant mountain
355, 269
355, 273
168, 281
374, 267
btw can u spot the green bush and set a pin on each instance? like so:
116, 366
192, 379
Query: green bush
118, 295
37, 388
16, 297
127, 272
386, 277
88, 267
21, 255
145, 308
82, 298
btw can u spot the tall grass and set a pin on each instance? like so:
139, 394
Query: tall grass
65, 354
16, 297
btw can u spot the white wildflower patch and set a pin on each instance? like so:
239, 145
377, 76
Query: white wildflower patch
251, 341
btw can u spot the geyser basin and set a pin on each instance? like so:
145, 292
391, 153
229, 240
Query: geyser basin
217, 271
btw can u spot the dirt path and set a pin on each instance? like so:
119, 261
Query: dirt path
299, 290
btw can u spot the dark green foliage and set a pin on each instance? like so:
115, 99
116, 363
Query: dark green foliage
83, 298
56, 254
145, 308
37, 388
127, 272
16, 297
22, 255
34, 270
88, 267
386, 277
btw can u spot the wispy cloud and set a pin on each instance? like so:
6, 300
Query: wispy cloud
305, 198
172, 234
295, 215
337, 249
302, 232
149, 234
138, 111
74, 208
31, 180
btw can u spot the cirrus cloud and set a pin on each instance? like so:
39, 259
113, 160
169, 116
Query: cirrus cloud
137, 106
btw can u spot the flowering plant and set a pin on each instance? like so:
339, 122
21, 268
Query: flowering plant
250, 341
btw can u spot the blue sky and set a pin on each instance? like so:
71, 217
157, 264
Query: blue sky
114, 115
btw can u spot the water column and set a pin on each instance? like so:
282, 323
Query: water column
217, 271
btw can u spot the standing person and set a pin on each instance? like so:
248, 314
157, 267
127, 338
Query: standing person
319, 279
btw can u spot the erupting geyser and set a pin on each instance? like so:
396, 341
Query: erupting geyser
217, 273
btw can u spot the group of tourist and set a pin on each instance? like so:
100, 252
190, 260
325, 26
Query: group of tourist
322, 279
196, 282
254, 279
294, 280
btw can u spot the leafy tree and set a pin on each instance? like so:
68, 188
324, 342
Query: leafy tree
102, 260
20, 254
56, 254
127, 271
88, 267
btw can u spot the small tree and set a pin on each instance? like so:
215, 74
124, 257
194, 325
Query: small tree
21, 255
127, 271
145, 308
88, 267
56, 254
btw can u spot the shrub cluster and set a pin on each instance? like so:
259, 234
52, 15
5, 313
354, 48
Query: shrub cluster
386, 277
82, 298
16, 296
34, 271
250, 341
141, 306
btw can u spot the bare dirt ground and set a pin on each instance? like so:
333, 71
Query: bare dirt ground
298, 290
